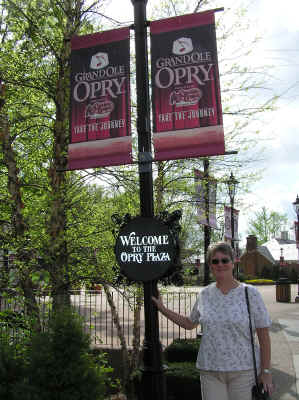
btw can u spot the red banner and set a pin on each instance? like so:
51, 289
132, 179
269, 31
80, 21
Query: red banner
100, 100
228, 223
205, 218
297, 234
187, 114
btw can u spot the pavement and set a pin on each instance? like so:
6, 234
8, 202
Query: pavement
284, 334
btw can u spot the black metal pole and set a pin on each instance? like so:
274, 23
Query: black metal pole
207, 228
232, 222
233, 228
153, 380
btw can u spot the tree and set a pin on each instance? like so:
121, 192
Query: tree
35, 61
266, 224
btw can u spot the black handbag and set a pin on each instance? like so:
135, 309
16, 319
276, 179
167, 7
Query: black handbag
258, 392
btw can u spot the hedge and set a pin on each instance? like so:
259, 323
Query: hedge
181, 350
183, 381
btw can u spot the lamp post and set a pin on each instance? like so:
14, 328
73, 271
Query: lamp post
207, 228
296, 208
232, 188
153, 381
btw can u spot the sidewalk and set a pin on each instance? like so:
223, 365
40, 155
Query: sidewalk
285, 343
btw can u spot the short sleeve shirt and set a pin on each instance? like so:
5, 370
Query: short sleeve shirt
226, 343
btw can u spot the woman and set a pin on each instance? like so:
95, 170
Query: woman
225, 354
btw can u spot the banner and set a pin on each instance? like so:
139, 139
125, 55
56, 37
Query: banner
297, 234
187, 114
228, 224
200, 198
100, 100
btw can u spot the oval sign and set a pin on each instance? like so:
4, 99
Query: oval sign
145, 249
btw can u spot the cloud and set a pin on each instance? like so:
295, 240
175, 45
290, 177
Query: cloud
279, 16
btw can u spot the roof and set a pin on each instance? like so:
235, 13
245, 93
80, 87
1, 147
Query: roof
290, 252
263, 251
266, 253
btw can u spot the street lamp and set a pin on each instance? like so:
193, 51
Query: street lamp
296, 208
232, 188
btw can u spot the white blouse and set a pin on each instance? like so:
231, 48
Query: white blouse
226, 343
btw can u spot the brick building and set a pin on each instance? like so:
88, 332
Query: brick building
255, 258
278, 253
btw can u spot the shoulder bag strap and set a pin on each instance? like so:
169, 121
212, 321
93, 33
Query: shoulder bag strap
251, 334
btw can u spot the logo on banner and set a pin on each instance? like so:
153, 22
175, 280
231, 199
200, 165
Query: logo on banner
185, 97
99, 109
99, 60
182, 46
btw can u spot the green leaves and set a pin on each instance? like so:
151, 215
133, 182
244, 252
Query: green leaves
266, 224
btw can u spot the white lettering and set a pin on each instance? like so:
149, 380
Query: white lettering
131, 257
170, 73
83, 90
86, 88
166, 77
152, 257
119, 85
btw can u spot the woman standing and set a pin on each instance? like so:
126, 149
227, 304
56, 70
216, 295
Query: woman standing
225, 354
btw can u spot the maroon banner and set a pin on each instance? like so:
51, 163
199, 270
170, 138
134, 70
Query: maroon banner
187, 114
100, 100
297, 233
228, 224
201, 196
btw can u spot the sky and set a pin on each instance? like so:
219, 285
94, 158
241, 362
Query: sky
280, 48
278, 24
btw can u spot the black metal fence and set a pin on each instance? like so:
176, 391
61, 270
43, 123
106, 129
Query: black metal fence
93, 306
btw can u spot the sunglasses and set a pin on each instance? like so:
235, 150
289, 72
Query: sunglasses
216, 261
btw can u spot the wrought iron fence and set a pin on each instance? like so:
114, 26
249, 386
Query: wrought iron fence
93, 306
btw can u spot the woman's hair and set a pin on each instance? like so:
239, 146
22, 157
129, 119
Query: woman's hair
222, 247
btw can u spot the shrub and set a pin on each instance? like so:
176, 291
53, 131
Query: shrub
293, 276
12, 368
60, 365
275, 272
183, 381
266, 272
181, 350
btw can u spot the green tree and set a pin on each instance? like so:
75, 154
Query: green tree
266, 224
35, 61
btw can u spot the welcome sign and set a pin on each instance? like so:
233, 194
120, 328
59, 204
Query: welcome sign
145, 249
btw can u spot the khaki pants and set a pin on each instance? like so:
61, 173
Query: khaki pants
234, 385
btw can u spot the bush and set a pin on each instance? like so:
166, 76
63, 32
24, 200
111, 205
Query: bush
293, 276
60, 366
181, 350
183, 381
275, 272
12, 369
266, 272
